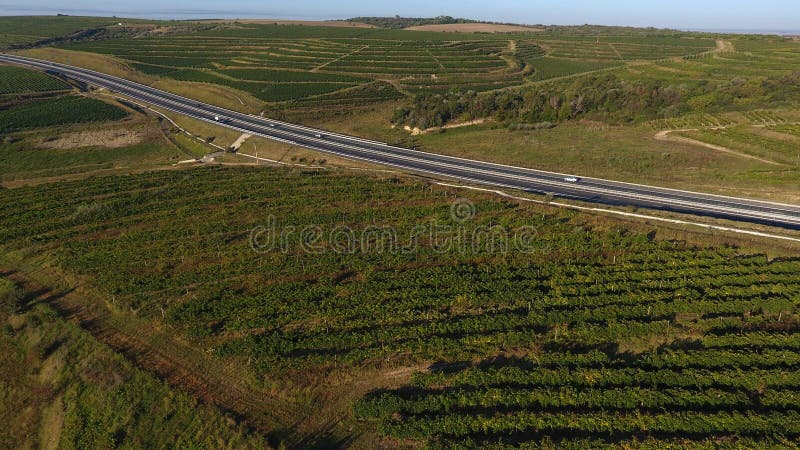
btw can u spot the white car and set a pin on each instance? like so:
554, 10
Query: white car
317, 135
572, 179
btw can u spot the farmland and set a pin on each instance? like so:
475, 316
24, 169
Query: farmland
16, 80
591, 317
318, 60
778, 147
77, 393
26, 30
61, 111
312, 67
328, 305
50, 131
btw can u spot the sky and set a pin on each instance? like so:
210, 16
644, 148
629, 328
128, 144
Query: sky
773, 15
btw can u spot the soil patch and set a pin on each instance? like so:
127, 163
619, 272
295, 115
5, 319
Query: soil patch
114, 138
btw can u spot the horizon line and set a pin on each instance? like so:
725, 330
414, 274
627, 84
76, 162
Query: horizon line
196, 15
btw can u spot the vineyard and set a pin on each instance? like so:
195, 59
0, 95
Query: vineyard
275, 69
26, 30
279, 63
691, 121
761, 117
554, 58
48, 114
752, 59
790, 129
545, 68
16, 80
588, 337
362, 298
59, 111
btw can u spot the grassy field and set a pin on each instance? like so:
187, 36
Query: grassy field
767, 144
54, 112
590, 148
71, 391
483, 325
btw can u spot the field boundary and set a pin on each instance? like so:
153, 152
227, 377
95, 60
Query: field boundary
591, 209
665, 135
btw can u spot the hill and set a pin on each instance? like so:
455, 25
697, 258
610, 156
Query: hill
397, 22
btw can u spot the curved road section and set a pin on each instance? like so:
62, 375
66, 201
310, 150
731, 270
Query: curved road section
562, 185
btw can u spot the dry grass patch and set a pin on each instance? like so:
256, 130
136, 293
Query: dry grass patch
114, 138
269, 150
214, 94
52, 424
93, 61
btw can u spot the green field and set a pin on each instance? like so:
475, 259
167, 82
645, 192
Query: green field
417, 62
545, 68
48, 131
21, 160
61, 111
16, 80
593, 335
25, 30
74, 392
783, 149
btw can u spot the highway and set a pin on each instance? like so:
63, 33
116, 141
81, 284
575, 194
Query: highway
568, 186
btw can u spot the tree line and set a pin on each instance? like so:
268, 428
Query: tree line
604, 97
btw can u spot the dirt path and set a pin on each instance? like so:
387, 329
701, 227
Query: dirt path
240, 140
436, 60
724, 46
338, 59
616, 52
454, 125
665, 135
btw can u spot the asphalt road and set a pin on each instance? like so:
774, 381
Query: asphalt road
586, 189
